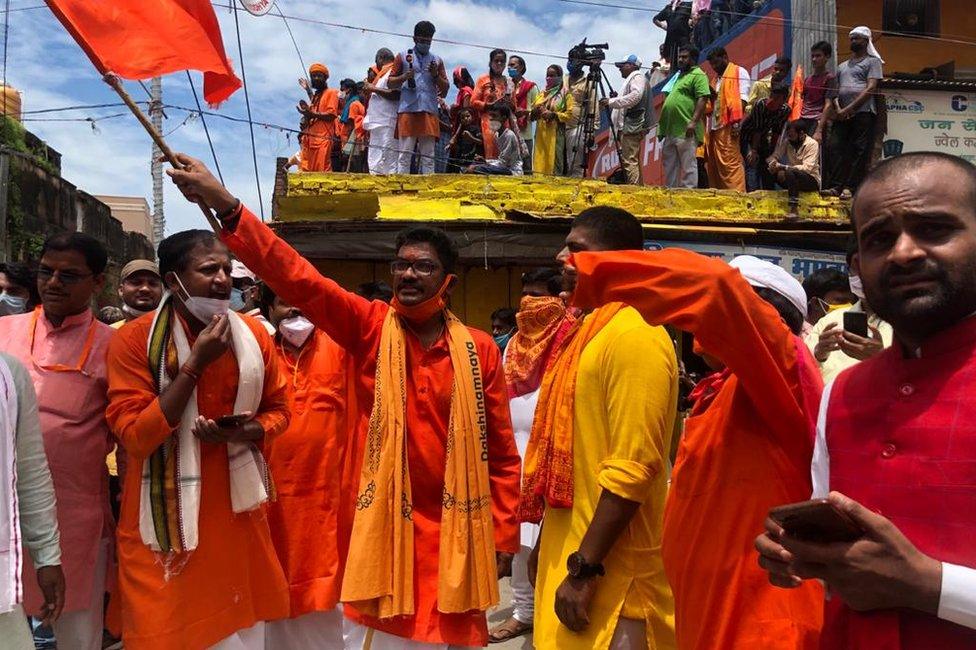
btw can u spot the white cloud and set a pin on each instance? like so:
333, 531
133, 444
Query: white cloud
52, 71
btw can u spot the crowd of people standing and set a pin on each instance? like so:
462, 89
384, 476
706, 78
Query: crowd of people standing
302, 466
716, 129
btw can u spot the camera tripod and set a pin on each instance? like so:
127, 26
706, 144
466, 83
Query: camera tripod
597, 80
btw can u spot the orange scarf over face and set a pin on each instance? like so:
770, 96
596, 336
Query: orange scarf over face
379, 577
548, 467
542, 322
731, 97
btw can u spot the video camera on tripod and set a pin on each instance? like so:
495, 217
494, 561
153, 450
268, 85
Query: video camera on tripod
589, 55
592, 56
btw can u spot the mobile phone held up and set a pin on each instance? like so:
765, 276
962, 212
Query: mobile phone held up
817, 520
856, 322
232, 421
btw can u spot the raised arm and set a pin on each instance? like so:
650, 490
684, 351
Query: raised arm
350, 320
711, 300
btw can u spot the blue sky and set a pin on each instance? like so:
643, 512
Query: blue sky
51, 71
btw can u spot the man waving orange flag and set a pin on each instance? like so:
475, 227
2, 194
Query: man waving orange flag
135, 40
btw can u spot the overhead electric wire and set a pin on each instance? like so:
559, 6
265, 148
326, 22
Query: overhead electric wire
293, 41
247, 103
203, 120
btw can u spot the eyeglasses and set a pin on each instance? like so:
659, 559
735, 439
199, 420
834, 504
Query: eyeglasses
422, 268
66, 277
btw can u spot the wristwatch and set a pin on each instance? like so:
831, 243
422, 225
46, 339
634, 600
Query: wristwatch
577, 567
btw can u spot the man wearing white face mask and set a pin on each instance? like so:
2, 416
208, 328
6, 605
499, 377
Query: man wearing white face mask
837, 349
18, 289
194, 394
307, 463
140, 289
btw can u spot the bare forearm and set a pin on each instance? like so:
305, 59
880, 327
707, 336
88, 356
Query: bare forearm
173, 400
699, 110
613, 514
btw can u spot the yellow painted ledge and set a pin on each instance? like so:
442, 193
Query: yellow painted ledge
449, 197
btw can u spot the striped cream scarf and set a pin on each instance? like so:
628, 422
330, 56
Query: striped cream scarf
169, 507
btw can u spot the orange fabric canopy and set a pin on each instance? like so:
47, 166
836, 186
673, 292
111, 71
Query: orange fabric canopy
140, 40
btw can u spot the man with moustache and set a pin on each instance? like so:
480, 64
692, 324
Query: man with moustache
140, 289
896, 440
432, 524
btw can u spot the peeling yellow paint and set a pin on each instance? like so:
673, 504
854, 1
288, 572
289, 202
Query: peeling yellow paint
446, 197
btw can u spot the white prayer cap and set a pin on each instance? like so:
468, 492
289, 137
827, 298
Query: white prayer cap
760, 273
866, 33
240, 272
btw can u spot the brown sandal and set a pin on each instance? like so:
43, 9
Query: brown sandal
508, 630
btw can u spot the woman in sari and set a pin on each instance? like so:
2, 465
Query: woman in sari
489, 89
550, 112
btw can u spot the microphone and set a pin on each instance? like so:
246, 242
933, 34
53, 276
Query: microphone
411, 82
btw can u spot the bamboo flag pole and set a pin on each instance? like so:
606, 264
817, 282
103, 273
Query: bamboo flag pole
157, 137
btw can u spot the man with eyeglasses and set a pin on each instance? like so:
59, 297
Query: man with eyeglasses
431, 475
64, 348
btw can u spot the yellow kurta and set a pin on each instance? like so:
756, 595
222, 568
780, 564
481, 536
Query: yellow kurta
546, 131
626, 394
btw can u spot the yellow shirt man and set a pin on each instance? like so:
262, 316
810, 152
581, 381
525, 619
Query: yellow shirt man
838, 361
626, 395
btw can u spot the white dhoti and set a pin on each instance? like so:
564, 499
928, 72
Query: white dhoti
320, 630
360, 637
383, 151
250, 638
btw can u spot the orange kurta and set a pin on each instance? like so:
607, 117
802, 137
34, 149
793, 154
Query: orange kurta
355, 324
487, 91
320, 135
306, 463
233, 579
357, 113
745, 452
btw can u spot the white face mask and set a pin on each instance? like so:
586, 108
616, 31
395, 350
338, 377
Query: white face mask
204, 309
296, 330
495, 125
856, 287
10, 305
134, 313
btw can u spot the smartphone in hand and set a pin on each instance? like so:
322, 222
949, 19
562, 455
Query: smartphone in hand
816, 520
232, 421
856, 322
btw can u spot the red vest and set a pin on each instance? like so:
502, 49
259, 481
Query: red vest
902, 440
522, 101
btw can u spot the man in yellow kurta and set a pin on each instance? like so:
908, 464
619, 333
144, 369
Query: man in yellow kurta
597, 467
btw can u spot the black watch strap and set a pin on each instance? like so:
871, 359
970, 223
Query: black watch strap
577, 567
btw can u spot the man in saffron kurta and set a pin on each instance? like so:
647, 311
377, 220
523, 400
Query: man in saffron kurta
319, 133
357, 324
723, 156
597, 460
421, 79
219, 594
64, 348
743, 452
306, 462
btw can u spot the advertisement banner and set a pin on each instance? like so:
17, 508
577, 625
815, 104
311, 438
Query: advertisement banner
931, 120
799, 263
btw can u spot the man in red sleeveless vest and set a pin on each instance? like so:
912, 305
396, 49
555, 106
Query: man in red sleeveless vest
896, 433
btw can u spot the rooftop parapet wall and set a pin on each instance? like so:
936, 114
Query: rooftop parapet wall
332, 197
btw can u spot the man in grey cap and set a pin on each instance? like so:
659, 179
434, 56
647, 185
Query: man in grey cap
140, 289
631, 115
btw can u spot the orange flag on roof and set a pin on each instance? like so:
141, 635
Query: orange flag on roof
796, 94
139, 39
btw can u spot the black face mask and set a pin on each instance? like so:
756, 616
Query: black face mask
320, 84
859, 47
